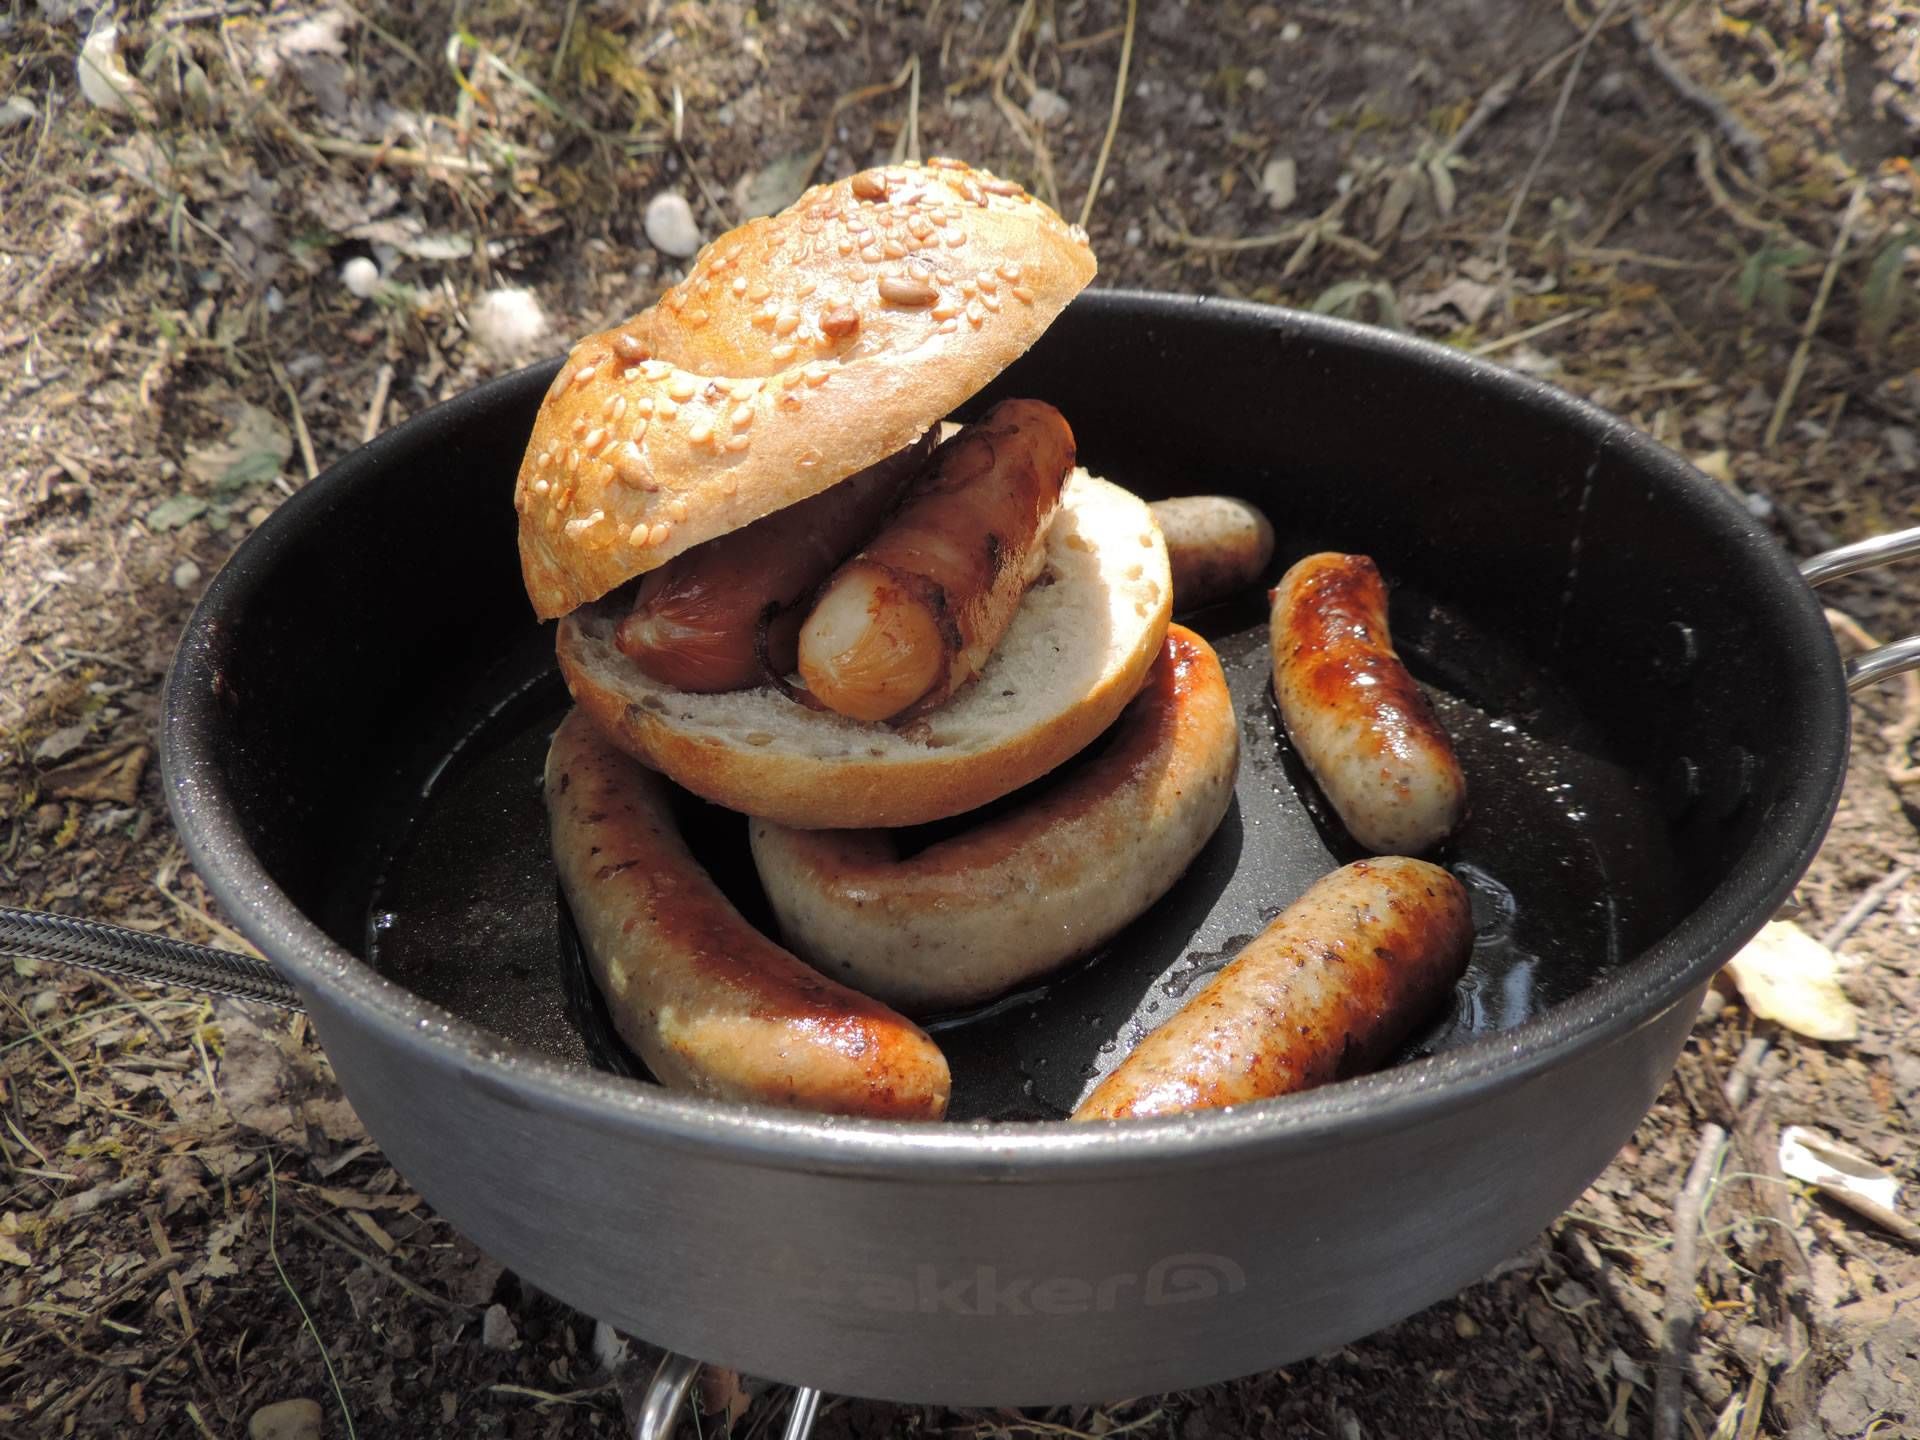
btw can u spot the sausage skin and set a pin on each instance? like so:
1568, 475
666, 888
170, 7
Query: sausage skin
694, 621
710, 1003
1216, 545
1326, 991
1360, 722
915, 615
1012, 898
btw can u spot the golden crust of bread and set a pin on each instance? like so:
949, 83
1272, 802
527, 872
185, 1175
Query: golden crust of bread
799, 349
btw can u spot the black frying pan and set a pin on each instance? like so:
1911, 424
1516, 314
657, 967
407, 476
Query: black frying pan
1654, 723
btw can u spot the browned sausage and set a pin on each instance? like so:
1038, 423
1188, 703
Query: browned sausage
694, 620
710, 1003
1358, 719
1328, 990
913, 616
1018, 895
1216, 546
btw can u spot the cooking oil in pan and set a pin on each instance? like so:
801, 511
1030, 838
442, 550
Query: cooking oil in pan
1563, 854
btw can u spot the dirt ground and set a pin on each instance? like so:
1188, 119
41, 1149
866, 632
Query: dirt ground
1697, 215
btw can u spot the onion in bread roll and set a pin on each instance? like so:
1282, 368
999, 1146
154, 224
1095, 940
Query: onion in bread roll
801, 349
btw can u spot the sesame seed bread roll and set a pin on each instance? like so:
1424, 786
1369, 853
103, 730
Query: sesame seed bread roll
1077, 651
799, 349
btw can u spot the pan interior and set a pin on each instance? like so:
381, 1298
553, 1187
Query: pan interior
1566, 857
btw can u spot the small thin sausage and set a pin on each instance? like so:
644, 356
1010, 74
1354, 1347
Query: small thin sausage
1014, 897
914, 616
710, 1003
1216, 545
1360, 722
695, 620
1328, 990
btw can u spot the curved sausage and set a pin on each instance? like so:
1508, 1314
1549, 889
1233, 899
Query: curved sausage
1358, 719
706, 1000
1021, 894
1326, 991
1217, 546
695, 620
913, 616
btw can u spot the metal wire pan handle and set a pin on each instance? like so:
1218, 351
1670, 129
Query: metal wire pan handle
667, 1395
1899, 656
136, 955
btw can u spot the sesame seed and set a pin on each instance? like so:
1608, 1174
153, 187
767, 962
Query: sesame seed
746, 389
945, 310
584, 374
583, 523
954, 238
807, 458
996, 186
893, 250
1074, 232
665, 409
786, 322
906, 291
637, 537
617, 408
975, 315
1023, 294
596, 438
543, 460
947, 327
742, 417
643, 405
845, 247
870, 254
1009, 270
658, 535
540, 487
763, 318
560, 382
628, 348
992, 302
804, 289
737, 444
816, 376
789, 400
1146, 541
972, 192
656, 369
700, 432
739, 284
782, 351
696, 318
681, 387
579, 427
1134, 572
715, 391
677, 507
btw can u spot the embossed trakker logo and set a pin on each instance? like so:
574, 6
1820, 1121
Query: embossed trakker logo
985, 1290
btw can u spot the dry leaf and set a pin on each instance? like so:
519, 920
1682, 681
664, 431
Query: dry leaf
1810, 1156
1787, 976
12, 1254
110, 774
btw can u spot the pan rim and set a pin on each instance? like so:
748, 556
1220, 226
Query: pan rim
1676, 966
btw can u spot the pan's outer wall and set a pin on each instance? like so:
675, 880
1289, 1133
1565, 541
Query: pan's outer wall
1001, 1290
1037, 1263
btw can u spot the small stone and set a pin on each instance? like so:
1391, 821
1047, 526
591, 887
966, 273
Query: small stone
670, 226
1279, 182
497, 1330
1464, 1325
18, 111
508, 322
186, 575
47, 818
361, 276
257, 516
286, 1420
44, 1002
1048, 106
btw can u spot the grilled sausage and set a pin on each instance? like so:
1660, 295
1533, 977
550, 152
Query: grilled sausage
707, 1001
1358, 719
695, 620
1216, 545
913, 616
1326, 991
1016, 896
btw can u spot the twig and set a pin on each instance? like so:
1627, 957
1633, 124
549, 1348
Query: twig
1857, 915
1891, 1221
1498, 96
1546, 145
1520, 337
560, 50
1798, 365
1113, 116
1682, 1304
1703, 166
906, 145
273, 1253
377, 407
392, 154
1698, 96
419, 1292
299, 419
